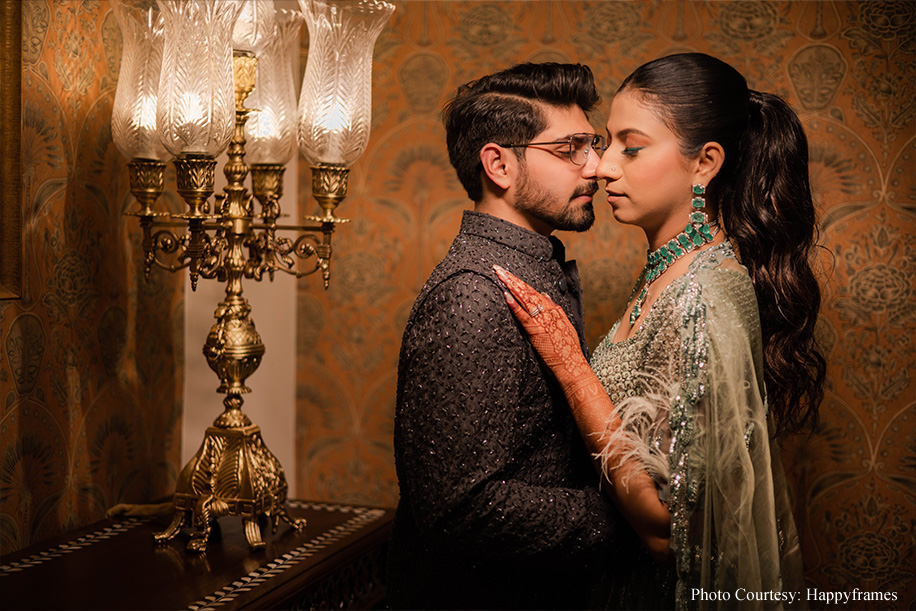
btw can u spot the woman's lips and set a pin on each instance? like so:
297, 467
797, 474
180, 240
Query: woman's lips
612, 195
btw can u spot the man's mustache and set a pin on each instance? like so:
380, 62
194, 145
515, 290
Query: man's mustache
589, 189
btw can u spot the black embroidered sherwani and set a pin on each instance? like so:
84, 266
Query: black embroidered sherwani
500, 506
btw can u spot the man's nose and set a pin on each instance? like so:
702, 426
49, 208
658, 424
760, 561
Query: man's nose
589, 170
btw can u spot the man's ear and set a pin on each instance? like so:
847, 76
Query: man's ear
498, 164
709, 162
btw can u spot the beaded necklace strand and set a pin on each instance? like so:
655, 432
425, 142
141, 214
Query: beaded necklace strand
696, 234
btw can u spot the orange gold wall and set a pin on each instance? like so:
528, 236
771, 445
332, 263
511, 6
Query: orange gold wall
847, 67
91, 360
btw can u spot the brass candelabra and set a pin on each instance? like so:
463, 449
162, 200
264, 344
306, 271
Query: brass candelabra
233, 472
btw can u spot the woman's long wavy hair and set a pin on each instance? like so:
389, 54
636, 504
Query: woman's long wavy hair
764, 205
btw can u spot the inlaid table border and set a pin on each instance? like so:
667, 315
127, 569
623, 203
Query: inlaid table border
72, 546
361, 518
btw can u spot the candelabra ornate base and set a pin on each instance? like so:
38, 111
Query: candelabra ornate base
233, 473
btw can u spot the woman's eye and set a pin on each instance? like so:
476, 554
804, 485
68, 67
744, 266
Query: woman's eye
631, 151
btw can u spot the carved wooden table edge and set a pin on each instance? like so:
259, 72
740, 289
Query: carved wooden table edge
337, 562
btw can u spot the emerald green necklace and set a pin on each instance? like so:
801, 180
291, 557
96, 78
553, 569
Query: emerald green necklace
696, 234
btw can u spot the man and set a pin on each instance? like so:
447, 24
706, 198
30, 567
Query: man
500, 506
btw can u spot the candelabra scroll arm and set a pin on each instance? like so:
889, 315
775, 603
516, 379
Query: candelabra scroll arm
214, 255
163, 242
272, 253
309, 245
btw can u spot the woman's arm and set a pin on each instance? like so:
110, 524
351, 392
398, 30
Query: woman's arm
557, 343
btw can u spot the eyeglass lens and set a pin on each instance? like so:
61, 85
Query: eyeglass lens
581, 144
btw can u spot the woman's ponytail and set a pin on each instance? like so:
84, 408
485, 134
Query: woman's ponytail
770, 217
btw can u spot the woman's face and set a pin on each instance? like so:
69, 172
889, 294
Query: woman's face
648, 179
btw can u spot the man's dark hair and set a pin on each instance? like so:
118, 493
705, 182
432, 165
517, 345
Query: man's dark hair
508, 106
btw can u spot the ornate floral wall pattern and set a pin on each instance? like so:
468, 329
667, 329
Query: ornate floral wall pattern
849, 69
91, 360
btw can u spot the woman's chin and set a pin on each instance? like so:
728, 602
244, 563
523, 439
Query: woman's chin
622, 217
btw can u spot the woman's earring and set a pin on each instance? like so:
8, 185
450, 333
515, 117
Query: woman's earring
699, 198
698, 230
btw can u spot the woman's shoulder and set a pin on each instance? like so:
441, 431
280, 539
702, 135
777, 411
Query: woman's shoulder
717, 267
720, 257
718, 281
720, 286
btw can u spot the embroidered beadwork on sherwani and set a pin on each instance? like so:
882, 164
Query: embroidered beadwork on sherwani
688, 386
500, 504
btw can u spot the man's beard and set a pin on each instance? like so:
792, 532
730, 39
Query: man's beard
544, 207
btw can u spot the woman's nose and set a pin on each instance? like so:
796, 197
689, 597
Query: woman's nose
607, 169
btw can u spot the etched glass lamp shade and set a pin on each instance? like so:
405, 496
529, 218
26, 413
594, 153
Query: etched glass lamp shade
196, 109
133, 117
335, 103
254, 27
270, 132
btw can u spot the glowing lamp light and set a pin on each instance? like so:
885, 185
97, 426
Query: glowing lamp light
133, 117
196, 109
335, 103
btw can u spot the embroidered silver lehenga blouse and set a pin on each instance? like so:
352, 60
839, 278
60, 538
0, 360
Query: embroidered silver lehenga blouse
689, 388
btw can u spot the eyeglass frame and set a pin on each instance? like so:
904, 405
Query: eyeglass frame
594, 139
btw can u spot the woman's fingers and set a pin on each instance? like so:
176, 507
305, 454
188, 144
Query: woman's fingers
529, 323
524, 294
515, 307
526, 320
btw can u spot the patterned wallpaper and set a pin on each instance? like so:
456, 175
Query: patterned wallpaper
90, 367
847, 67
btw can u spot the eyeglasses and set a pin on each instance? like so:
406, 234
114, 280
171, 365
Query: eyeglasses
579, 146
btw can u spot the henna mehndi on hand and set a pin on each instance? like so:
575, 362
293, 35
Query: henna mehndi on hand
552, 334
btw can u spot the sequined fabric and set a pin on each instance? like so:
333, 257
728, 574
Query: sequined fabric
499, 506
688, 386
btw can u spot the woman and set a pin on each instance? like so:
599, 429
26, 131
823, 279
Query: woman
715, 354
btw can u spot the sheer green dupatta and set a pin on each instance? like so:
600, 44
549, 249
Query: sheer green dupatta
716, 466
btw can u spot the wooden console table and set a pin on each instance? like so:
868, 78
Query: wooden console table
337, 562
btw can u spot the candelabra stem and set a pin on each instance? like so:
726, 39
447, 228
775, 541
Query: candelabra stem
233, 472
238, 200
